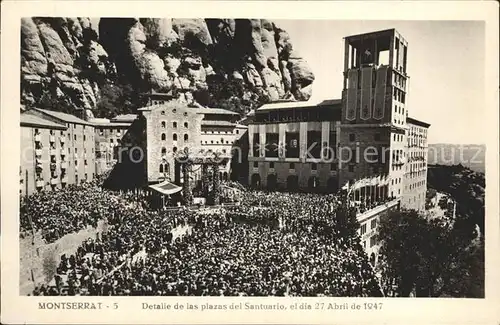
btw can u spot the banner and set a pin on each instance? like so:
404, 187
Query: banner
366, 93
380, 89
352, 94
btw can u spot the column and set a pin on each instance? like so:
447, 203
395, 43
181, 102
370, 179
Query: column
262, 140
281, 140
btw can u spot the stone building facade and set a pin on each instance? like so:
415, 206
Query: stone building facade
69, 153
42, 163
154, 144
415, 180
79, 148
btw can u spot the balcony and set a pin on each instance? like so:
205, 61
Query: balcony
40, 183
54, 181
38, 138
38, 152
64, 165
53, 152
52, 138
63, 139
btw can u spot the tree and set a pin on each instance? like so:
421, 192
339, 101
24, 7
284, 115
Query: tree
428, 257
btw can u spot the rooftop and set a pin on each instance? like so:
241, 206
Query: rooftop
217, 123
209, 110
124, 118
375, 33
68, 118
301, 104
33, 120
414, 121
194, 106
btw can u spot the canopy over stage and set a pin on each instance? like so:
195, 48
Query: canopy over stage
166, 188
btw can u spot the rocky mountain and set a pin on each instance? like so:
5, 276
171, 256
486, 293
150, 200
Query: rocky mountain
100, 66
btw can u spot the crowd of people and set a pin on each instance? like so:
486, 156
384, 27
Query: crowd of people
271, 244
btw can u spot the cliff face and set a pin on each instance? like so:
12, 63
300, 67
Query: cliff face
92, 64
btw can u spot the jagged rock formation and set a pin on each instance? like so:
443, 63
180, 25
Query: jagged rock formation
236, 63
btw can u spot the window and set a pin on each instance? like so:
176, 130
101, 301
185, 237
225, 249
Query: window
162, 112
76, 150
174, 149
74, 137
363, 229
314, 166
271, 165
76, 162
163, 151
174, 111
352, 137
186, 137
373, 241
161, 168
84, 137
185, 114
163, 137
185, 124
163, 124
85, 162
237, 131
221, 140
174, 136
333, 166
292, 165
377, 136
373, 224
174, 124
255, 164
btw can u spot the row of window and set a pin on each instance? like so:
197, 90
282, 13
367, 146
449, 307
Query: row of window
174, 124
314, 166
221, 132
174, 137
415, 185
61, 133
217, 142
397, 181
399, 95
174, 110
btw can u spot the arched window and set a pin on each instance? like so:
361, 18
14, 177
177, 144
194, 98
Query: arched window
163, 137
162, 112
175, 136
174, 124
185, 124
163, 151
175, 149
163, 124
161, 168
186, 137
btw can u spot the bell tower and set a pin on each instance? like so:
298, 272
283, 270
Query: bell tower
374, 107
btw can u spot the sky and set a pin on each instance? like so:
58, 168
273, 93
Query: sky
445, 65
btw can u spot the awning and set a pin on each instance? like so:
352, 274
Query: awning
166, 188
